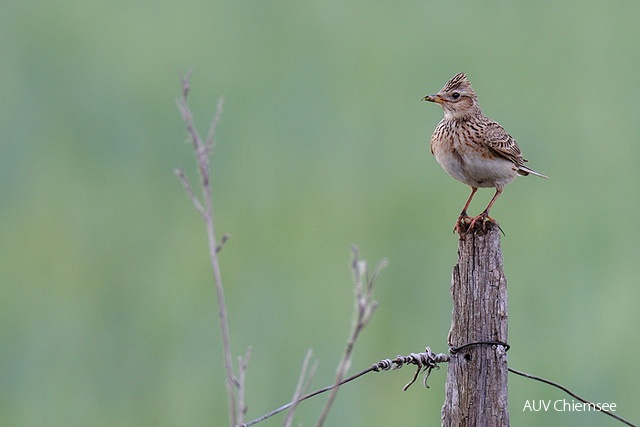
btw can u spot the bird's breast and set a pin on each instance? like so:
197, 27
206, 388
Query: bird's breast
458, 148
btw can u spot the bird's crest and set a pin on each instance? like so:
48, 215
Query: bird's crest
459, 82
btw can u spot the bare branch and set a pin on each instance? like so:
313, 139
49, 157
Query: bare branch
365, 306
206, 210
243, 364
211, 135
185, 112
304, 381
185, 82
187, 187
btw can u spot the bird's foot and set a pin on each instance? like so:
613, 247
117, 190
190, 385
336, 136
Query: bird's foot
484, 218
462, 223
477, 224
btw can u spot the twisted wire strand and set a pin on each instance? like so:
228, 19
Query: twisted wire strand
426, 362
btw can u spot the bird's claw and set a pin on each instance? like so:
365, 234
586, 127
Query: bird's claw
483, 224
462, 224
466, 224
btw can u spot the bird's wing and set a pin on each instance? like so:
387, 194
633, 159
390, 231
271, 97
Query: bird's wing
503, 144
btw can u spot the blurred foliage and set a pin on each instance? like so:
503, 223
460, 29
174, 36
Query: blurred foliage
108, 308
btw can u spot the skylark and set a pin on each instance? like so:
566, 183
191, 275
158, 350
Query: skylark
472, 148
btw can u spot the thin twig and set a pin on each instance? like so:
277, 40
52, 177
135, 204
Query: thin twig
243, 364
572, 394
211, 140
304, 380
205, 208
365, 307
187, 188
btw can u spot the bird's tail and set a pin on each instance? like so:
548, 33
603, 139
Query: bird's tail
524, 171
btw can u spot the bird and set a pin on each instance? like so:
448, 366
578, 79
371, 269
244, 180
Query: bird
473, 148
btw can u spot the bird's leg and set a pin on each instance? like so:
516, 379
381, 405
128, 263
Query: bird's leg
466, 205
463, 215
485, 214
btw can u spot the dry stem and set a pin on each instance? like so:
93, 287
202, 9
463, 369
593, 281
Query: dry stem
304, 381
365, 307
202, 149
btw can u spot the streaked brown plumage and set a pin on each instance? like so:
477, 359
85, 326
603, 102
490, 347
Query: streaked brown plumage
472, 148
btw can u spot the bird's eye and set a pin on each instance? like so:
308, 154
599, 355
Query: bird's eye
455, 95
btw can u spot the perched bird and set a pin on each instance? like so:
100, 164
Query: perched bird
472, 148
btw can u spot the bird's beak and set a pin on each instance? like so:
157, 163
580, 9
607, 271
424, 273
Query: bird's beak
433, 98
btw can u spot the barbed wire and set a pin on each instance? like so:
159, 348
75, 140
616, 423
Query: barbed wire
572, 394
426, 362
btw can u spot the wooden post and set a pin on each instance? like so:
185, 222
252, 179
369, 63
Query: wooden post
476, 387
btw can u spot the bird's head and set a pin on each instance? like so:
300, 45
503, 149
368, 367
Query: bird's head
457, 98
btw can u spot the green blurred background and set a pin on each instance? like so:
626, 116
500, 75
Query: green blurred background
108, 309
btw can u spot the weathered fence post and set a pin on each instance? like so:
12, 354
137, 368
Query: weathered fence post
476, 387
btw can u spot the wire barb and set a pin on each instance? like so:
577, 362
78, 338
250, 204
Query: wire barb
425, 362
